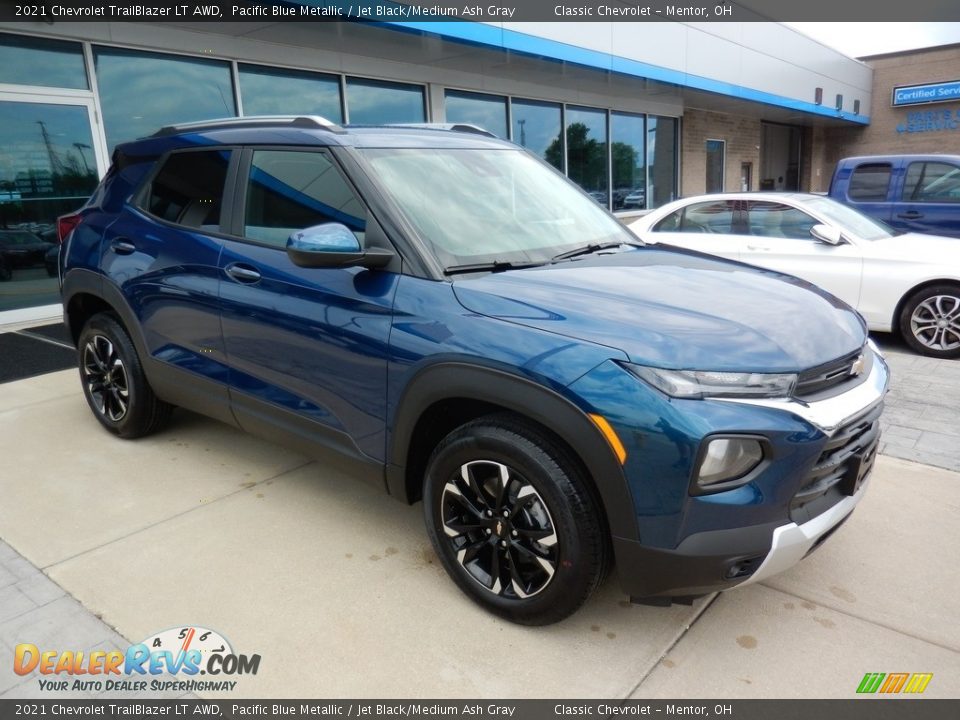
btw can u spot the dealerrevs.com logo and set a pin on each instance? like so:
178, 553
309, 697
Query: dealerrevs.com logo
179, 655
891, 683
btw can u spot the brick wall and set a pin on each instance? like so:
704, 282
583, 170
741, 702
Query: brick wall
881, 136
742, 136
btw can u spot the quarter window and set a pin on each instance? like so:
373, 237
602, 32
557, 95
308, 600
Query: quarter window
932, 182
289, 191
188, 190
869, 183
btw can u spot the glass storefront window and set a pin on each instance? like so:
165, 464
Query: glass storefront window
661, 160
374, 102
486, 111
587, 151
537, 127
273, 91
141, 92
47, 169
38, 61
629, 161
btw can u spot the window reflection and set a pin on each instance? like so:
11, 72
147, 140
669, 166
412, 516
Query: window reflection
536, 126
38, 61
289, 191
486, 111
629, 161
141, 92
47, 169
587, 151
661, 160
272, 91
373, 102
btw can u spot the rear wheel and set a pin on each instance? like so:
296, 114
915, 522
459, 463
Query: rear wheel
113, 380
512, 520
930, 321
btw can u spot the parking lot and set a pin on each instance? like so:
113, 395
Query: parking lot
336, 587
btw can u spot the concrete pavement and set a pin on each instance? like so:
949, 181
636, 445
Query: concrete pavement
336, 587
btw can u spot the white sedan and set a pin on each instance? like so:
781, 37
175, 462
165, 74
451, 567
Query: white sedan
907, 282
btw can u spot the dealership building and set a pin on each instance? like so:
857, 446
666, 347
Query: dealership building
635, 113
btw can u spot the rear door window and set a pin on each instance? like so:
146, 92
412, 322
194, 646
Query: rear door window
869, 182
932, 182
188, 189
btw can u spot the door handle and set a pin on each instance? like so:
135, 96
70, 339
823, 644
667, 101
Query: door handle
243, 273
910, 215
121, 246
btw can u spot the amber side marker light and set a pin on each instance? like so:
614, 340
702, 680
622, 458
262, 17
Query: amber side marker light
611, 436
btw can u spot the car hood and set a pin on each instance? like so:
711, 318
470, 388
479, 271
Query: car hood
675, 309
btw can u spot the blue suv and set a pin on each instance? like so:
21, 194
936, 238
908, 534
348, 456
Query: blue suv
473, 331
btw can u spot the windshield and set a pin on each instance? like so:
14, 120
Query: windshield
477, 206
846, 218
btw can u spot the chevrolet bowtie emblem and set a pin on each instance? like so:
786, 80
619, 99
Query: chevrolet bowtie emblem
857, 367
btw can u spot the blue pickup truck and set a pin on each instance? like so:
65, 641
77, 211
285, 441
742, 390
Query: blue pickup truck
913, 193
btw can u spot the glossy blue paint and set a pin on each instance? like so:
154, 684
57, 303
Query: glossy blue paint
662, 437
333, 351
674, 309
311, 340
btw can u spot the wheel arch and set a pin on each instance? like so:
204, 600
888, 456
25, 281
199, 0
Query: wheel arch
914, 290
446, 395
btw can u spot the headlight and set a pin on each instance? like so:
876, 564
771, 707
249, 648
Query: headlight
698, 384
725, 460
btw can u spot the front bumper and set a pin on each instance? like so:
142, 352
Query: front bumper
719, 559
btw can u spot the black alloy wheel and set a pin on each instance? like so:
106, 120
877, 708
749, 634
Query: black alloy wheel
514, 522
113, 380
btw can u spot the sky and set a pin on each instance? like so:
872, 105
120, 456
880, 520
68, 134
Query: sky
858, 39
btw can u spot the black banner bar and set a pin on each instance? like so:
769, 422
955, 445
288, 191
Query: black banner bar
865, 708
417, 11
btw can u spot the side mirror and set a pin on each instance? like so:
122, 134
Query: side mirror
827, 234
333, 245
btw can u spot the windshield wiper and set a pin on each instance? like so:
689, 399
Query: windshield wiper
595, 247
495, 266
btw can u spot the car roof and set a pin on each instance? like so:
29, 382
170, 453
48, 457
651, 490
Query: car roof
311, 131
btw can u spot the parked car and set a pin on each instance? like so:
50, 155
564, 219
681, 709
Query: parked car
636, 200
21, 249
472, 330
912, 193
899, 282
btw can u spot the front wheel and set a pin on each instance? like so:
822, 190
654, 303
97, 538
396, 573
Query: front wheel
513, 522
930, 321
113, 380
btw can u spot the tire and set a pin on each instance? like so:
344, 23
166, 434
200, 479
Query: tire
930, 321
113, 382
538, 563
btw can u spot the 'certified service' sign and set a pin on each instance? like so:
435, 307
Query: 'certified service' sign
930, 93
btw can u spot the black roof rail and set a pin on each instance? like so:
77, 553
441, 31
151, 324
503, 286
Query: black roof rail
308, 122
449, 127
